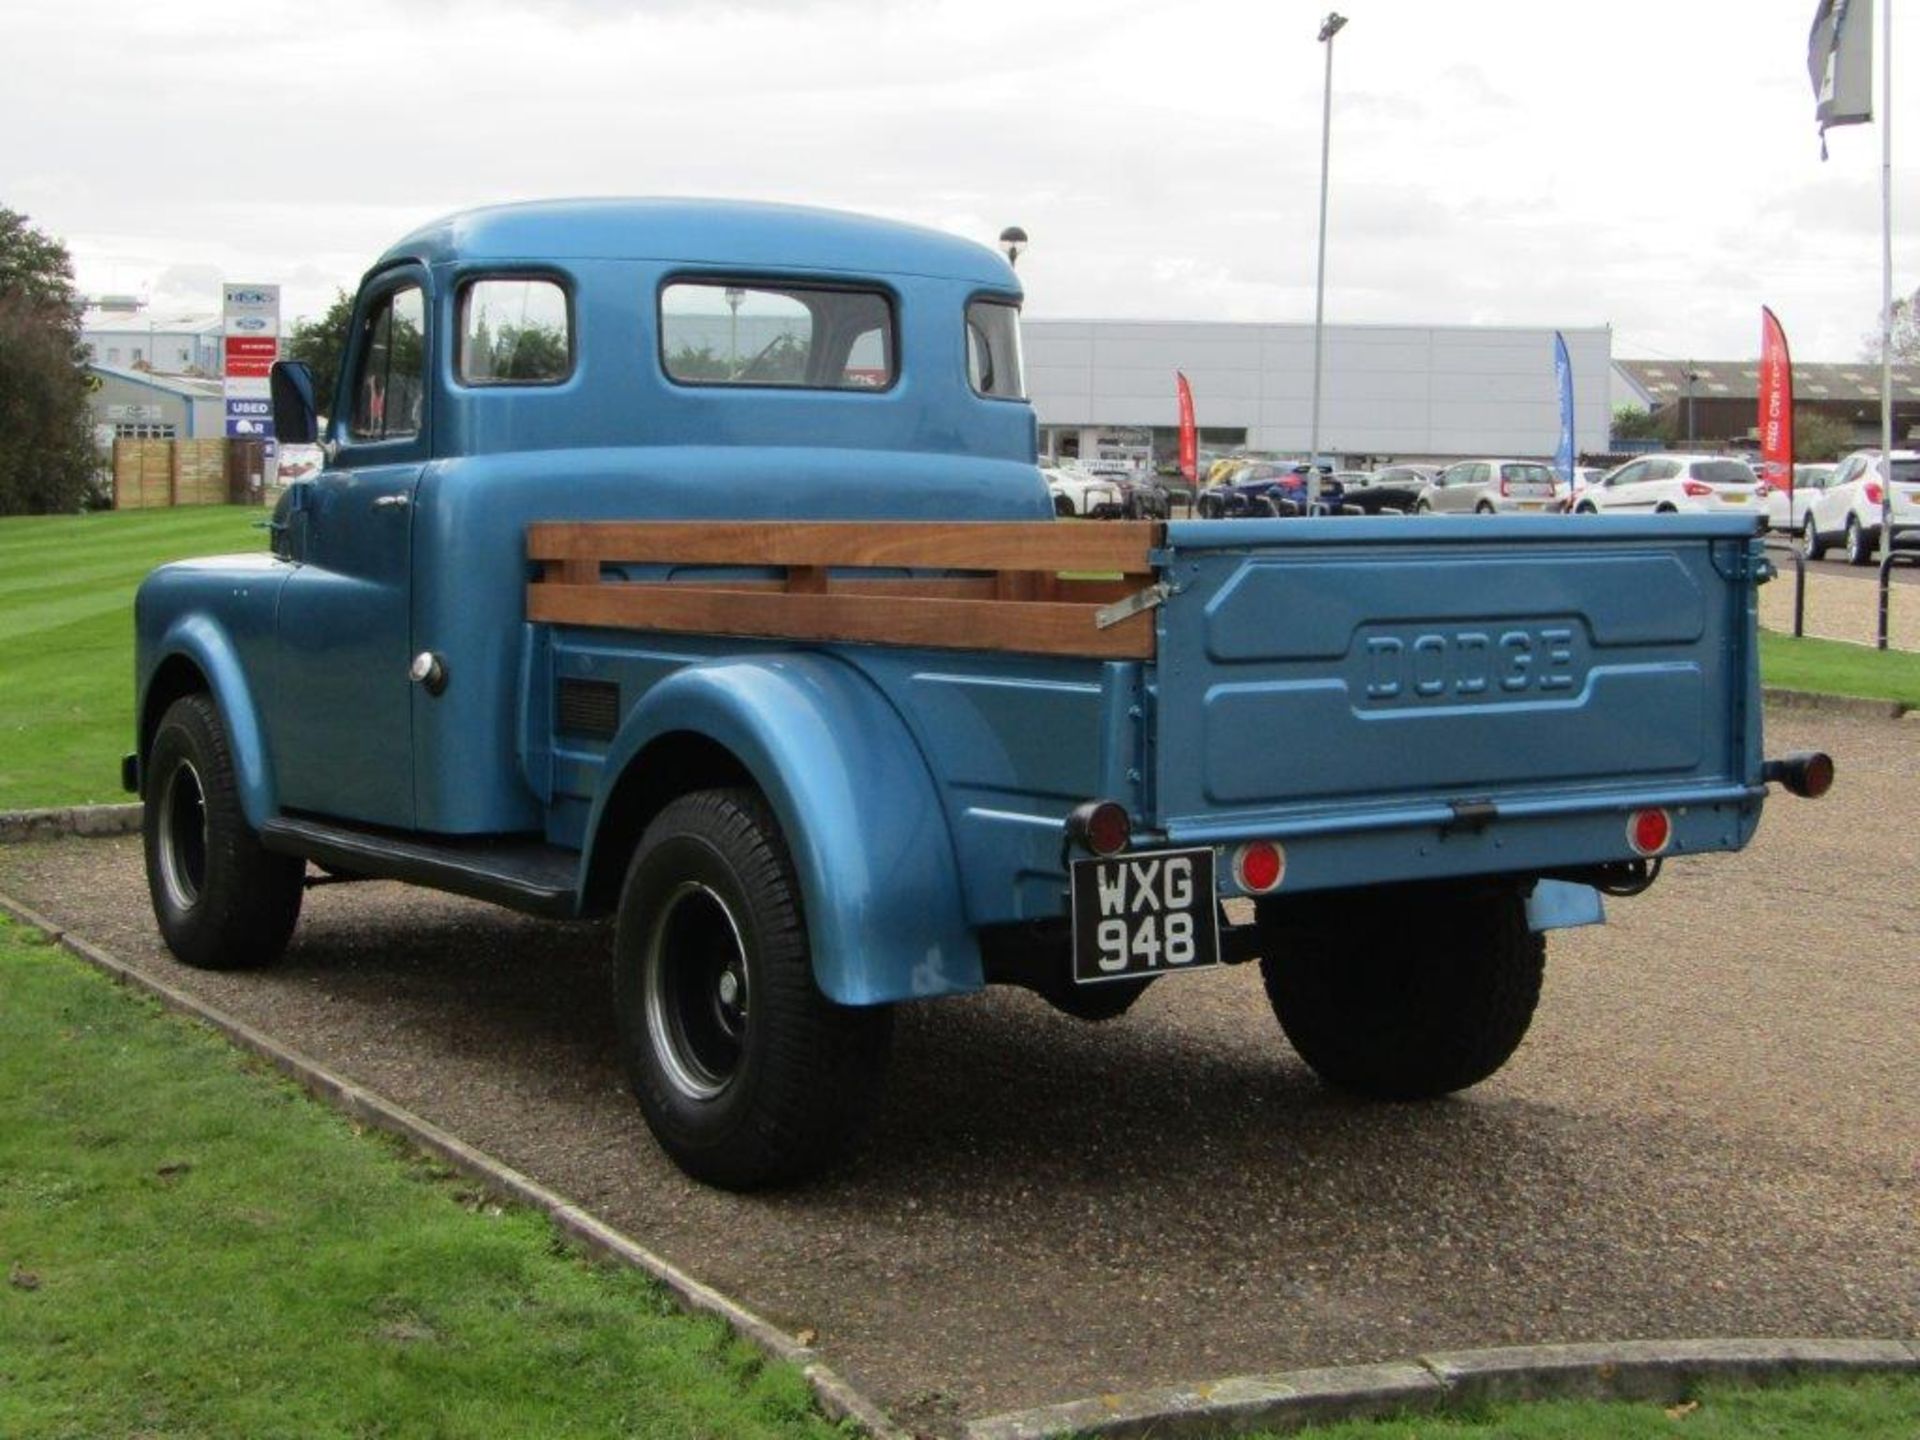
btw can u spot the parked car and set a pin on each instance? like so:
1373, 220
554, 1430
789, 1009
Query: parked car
1489, 487
1395, 489
1145, 497
1266, 488
1808, 482
1848, 510
1676, 484
1075, 492
1585, 477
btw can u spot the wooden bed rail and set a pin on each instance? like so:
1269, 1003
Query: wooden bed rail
1016, 598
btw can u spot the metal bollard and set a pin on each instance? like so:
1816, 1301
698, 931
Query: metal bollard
1892, 555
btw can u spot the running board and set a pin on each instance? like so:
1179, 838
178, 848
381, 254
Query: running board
517, 871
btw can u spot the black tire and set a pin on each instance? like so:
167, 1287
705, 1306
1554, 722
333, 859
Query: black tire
1208, 507
1483, 508
1408, 996
747, 1074
1108, 1000
1859, 547
1811, 545
1062, 506
1421, 507
1588, 510
222, 901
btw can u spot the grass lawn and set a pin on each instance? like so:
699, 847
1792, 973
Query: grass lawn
191, 1247
66, 615
1839, 669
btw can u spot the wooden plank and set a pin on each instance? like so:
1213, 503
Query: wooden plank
1032, 628
807, 579
1046, 545
972, 587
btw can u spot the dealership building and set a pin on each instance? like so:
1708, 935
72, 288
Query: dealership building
1401, 392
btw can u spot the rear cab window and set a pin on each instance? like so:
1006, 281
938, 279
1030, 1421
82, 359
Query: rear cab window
769, 333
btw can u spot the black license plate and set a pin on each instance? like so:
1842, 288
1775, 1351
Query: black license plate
1146, 913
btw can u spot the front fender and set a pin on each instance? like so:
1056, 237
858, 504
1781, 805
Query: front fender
878, 876
199, 638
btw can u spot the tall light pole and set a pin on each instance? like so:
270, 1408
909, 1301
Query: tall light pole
1330, 28
734, 296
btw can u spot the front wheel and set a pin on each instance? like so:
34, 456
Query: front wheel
1422, 508
746, 1073
1810, 543
222, 901
1405, 1000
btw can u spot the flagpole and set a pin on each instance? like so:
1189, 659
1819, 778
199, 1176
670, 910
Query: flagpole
1886, 277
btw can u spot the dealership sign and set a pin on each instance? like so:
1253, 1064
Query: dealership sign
250, 323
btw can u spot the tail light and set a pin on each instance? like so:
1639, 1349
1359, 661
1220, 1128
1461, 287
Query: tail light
1505, 488
1259, 866
1649, 832
1698, 489
1873, 492
1101, 825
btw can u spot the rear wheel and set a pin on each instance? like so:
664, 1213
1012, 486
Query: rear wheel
1811, 544
1062, 506
1421, 507
746, 1073
1483, 508
222, 901
1587, 510
1859, 546
1403, 996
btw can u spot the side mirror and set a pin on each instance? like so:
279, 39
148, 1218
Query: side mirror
296, 419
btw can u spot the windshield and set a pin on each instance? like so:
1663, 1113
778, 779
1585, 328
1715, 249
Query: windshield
1723, 472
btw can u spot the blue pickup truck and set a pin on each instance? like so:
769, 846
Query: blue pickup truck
689, 564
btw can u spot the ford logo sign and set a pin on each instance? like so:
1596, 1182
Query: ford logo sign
249, 322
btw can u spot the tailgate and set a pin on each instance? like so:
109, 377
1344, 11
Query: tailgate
1344, 676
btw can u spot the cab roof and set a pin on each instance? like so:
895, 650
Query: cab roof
709, 233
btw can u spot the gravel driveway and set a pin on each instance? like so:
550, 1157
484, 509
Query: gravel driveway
1711, 1130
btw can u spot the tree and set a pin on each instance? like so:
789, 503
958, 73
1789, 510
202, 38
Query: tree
1906, 333
321, 343
1818, 437
1630, 422
47, 456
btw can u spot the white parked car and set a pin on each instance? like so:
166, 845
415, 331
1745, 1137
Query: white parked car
1489, 487
1808, 482
1848, 510
1669, 484
1075, 492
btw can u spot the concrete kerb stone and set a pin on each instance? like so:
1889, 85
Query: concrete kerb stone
837, 1398
20, 826
1645, 1370
1844, 704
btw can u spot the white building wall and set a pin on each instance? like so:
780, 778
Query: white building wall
1385, 390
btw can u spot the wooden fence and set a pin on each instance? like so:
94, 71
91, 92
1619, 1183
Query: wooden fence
148, 474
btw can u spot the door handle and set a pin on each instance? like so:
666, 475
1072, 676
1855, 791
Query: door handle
392, 502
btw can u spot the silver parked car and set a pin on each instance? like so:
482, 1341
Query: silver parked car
1489, 487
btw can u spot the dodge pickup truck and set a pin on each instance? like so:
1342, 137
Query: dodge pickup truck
689, 564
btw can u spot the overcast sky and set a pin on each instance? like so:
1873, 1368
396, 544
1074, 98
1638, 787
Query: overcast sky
1646, 164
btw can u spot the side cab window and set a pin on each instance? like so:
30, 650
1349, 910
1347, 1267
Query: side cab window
390, 378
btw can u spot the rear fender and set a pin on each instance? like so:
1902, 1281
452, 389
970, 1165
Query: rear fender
199, 640
862, 817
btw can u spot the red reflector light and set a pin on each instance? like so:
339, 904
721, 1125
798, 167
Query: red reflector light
1698, 489
1259, 866
1104, 827
1649, 831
